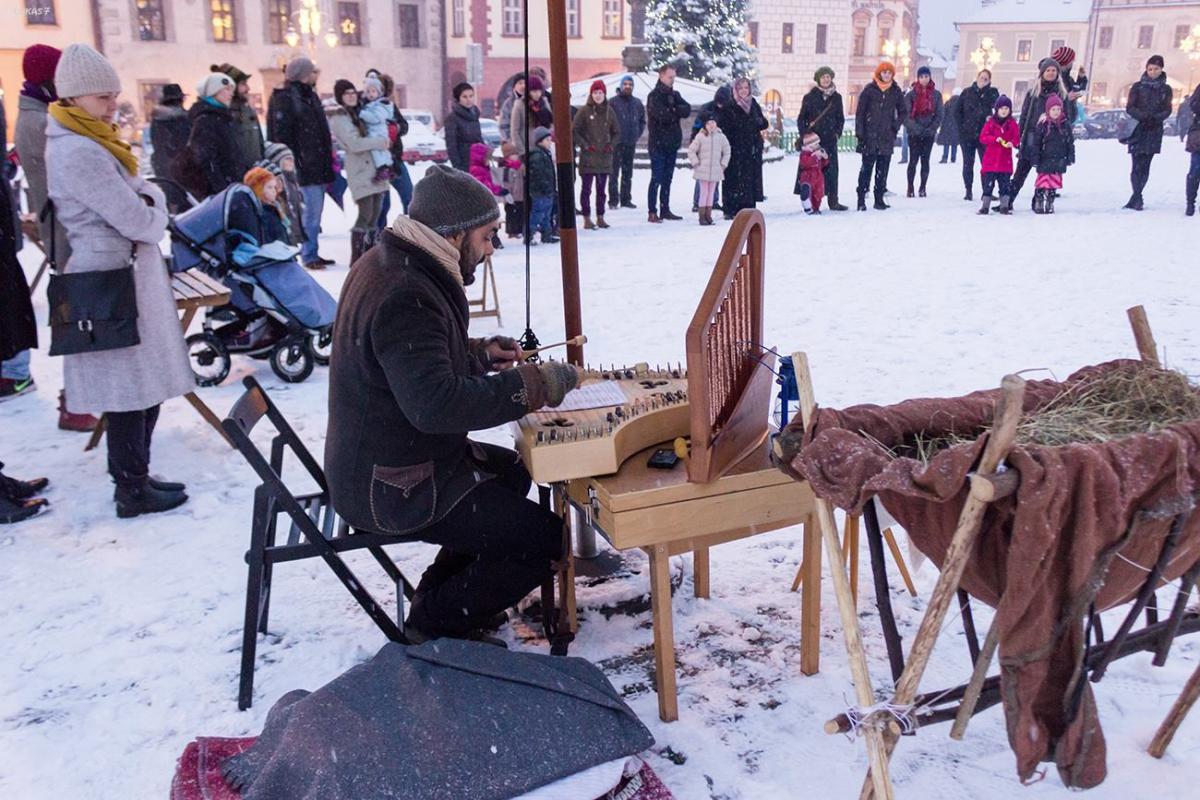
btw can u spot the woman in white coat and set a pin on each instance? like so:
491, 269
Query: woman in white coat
110, 212
709, 155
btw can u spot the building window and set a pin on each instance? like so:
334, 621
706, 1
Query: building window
1106, 34
279, 19
151, 95
1145, 37
1020, 89
224, 26
349, 24
787, 37
1057, 43
884, 35
40, 12
573, 19
854, 90
151, 24
409, 19
860, 42
1181, 32
514, 21
752, 34
614, 19
1099, 89
822, 38
458, 18
1024, 49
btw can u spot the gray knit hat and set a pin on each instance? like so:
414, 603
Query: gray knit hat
450, 201
82, 71
299, 68
276, 152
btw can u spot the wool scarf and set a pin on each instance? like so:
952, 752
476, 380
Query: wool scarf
923, 99
883, 87
427, 239
828, 93
38, 92
743, 103
106, 134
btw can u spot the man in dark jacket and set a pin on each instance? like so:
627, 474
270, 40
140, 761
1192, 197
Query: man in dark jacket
665, 107
249, 132
822, 113
406, 386
971, 114
214, 137
879, 117
170, 128
296, 118
1149, 104
631, 117
462, 127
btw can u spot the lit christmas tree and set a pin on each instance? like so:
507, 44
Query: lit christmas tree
704, 39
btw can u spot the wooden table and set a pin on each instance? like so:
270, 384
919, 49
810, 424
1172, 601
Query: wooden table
192, 290
662, 513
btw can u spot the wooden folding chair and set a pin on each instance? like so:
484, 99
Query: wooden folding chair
316, 530
487, 306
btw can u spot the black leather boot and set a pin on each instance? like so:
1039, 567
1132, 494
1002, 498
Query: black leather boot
862, 201
139, 497
1193, 185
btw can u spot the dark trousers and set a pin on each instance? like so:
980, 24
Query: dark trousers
919, 150
1024, 167
539, 216
129, 434
514, 218
662, 170
585, 193
880, 165
497, 547
1140, 173
949, 152
620, 181
990, 179
969, 149
831, 175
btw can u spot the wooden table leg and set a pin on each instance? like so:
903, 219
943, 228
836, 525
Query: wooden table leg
810, 601
700, 567
664, 633
566, 578
94, 440
209, 417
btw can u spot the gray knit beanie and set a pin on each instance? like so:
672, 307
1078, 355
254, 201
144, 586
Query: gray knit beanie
450, 201
82, 71
299, 68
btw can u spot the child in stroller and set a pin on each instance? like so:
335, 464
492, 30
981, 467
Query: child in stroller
277, 310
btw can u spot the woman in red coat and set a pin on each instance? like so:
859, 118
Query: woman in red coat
1000, 136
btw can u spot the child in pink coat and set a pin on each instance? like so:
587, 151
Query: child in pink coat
1000, 137
481, 168
810, 184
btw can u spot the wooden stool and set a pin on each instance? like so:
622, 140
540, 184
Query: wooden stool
484, 308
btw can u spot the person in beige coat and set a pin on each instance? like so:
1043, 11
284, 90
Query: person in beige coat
709, 155
351, 135
112, 215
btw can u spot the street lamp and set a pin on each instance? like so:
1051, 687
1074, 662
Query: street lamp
899, 50
306, 26
986, 55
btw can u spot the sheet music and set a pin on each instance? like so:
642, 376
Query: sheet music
599, 394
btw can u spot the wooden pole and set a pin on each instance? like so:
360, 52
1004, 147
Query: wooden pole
1184, 703
560, 80
970, 520
1147, 349
982, 664
864, 695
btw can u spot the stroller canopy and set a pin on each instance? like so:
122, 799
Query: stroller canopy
204, 236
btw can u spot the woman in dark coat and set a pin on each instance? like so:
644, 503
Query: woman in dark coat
214, 141
1149, 104
879, 117
924, 106
948, 134
170, 128
462, 127
821, 112
742, 122
1193, 136
975, 105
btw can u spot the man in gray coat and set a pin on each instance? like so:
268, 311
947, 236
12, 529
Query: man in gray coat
631, 116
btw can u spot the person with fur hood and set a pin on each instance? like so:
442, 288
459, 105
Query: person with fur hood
999, 138
1049, 83
1051, 150
709, 155
810, 183
481, 169
596, 133
821, 112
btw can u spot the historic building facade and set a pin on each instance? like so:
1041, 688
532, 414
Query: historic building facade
1123, 34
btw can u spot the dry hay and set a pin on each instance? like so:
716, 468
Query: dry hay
1125, 401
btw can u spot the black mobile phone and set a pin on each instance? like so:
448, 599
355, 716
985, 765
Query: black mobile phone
663, 458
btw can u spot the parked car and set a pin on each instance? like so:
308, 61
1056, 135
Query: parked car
1107, 123
418, 115
420, 144
491, 131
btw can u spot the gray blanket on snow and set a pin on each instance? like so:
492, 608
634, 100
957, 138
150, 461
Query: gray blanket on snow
444, 720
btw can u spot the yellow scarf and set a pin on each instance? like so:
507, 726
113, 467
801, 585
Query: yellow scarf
76, 120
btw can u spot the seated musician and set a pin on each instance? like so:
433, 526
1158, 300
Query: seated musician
406, 386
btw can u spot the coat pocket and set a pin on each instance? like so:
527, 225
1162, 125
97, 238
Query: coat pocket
403, 499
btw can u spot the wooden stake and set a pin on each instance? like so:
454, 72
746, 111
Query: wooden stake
1175, 717
967, 708
1147, 349
970, 520
578, 341
890, 538
864, 694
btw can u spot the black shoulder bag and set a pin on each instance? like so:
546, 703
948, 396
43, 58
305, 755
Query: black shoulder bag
91, 311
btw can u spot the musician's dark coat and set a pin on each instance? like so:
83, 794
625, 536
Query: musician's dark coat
406, 384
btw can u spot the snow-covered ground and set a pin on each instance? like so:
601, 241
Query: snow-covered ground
121, 637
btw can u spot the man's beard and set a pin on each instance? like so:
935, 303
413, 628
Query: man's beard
627, 90
468, 260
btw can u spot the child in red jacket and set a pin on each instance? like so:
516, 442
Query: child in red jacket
1000, 136
481, 168
810, 184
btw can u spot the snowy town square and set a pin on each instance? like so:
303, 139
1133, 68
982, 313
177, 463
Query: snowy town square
600, 400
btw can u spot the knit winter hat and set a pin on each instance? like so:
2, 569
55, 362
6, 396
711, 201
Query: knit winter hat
1052, 101
533, 83
82, 71
885, 66
232, 71
450, 201
213, 82
539, 133
276, 152
625, 78
1155, 60
1047, 63
269, 166
299, 69
369, 82
459, 88
1064, 55
256, 178
924, 71
598, 84
823, 71
39, 62
340, 87
810, 137
1003, 100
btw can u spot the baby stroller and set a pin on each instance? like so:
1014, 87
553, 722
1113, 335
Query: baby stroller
277, 311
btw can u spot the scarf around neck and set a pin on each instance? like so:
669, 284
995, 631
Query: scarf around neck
883, 87
923, 100
38, 92
427, 239
828, 93
106, 134
743, 104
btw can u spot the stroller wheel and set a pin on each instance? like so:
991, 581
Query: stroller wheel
322, 344
208, 358
292, 360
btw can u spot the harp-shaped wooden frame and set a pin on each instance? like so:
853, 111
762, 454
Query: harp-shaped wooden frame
741, 422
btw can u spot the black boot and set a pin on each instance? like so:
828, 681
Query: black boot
862, 201
668, 214
911, 191
986, 207
1050, 195
139, 497
17, 490
1193, 186
18, 510
165, 486
879, 204
1039, 201
834, 205
1005, 205
358, 238
1135, 202
968, 195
